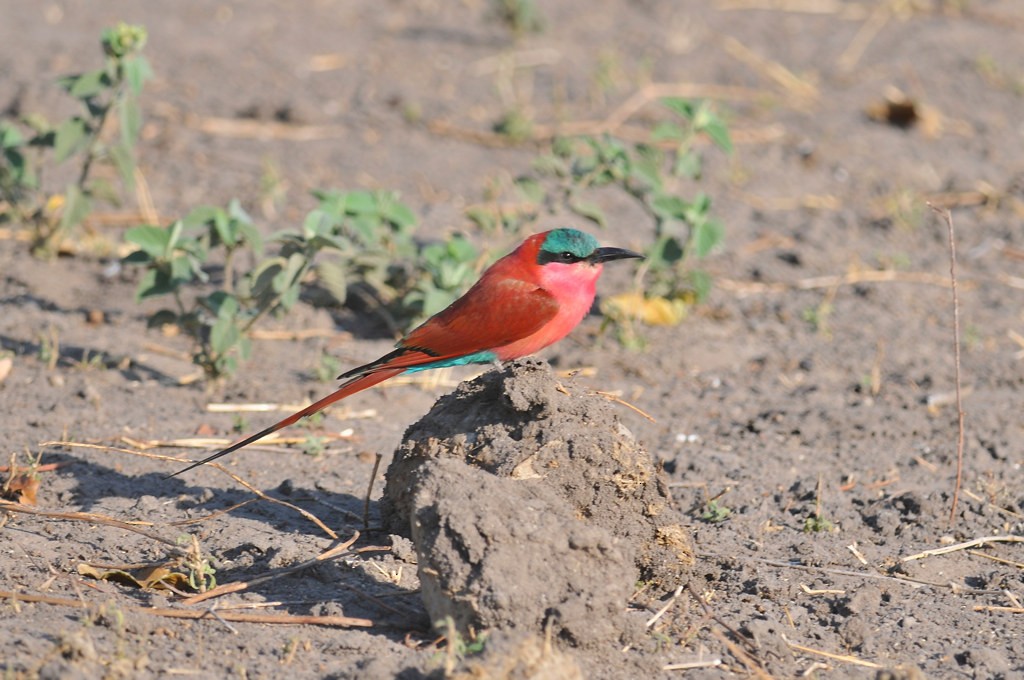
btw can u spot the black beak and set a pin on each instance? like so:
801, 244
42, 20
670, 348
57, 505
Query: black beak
608, 254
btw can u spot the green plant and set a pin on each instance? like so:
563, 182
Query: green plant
369, 253
219, 322
653, 173
199, 568
314, 446
520, 16
379, 260
457, 647
715, 512
816, 523
49, 347
445, 270
327, 368
109, 96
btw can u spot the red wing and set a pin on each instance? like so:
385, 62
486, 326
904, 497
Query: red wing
491, 315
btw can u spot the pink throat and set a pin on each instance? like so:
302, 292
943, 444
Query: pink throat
573, 285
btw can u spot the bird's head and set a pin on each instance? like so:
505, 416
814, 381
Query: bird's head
571, 246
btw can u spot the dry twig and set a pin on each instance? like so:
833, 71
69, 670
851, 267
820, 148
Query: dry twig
947, 216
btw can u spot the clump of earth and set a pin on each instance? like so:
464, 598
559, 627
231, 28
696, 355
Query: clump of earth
533, 509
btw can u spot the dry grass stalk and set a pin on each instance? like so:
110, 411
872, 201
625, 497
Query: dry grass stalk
668, 605
300, 334
798, 88
691, 665
963, 546
845, 10
845, 658
978, 553
947, 217
618, 400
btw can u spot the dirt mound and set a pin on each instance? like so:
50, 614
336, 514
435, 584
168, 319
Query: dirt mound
530, 504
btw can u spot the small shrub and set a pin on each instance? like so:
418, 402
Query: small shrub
109, 96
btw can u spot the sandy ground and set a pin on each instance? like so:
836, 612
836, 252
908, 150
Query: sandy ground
816, 382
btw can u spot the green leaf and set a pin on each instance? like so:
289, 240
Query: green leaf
154, 282
646, 168
719, 134
700, 281
294, 269
289, 297
461, 249
21, 174
667, 130
546, 164
152, 240
588, 210
332, 275
668, 206
173, 237
400, 215
86, 85
224, 334
530, 189
131, 120
76, 207
667, 250
245, 347
181, 270
688, 164
222, 304
71, 136
146, 285
706, 235
263, 278
10, 136
137, 71
137, 257
359, 203
164, 317
434, 300
707, 121
124, 162
683, 107
223, 227
483, 217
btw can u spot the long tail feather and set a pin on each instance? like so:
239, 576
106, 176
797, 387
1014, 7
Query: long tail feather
357, 384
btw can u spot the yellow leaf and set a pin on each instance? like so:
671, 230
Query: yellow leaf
655, 311
54, 204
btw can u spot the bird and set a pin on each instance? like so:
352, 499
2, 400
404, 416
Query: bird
529, 299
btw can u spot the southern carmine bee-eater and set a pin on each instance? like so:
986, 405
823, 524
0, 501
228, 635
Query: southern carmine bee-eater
524, 302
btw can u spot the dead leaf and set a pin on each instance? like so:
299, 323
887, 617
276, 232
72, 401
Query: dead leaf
205, 430
6, 364
154, 576
22, 488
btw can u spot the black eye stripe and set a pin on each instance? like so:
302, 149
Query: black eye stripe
563, 257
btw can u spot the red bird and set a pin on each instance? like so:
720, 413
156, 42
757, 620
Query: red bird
525, 301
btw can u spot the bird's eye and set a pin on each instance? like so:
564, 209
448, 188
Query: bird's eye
567, 257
